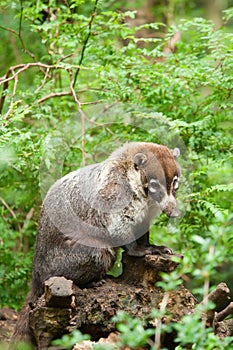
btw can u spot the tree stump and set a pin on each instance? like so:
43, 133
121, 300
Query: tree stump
64, 307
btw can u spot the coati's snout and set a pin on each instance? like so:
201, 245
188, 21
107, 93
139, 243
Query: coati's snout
171, 210
175, 213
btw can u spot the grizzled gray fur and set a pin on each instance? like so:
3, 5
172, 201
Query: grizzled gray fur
89, 213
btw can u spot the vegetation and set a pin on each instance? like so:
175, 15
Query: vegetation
78, 79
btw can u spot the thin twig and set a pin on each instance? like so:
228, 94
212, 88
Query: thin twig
12, 213
28, 219
8, 208
5, 87
14, 71
11, 108
110, 106
9, 30
54, 94
92, 103
158, 320
20, 30
24, 66
66, 93
18, 34
44, 81
65, 57
86, 41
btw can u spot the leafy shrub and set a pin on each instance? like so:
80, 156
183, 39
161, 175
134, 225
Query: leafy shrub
89, 87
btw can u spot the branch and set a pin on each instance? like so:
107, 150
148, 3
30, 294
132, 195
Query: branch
158, 320
12, 98
91, 103
44, 81
66, 93
5, 87
18, 34
9, 30
85, 42
28, 218
224, 313
22, 67
54, 94
14, 71
8, 208
11, 212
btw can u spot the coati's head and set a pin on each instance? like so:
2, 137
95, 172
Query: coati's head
158, 171
160, 174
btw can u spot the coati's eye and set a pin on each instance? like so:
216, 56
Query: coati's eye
175, 185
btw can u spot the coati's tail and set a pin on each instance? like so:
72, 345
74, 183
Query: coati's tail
22, 332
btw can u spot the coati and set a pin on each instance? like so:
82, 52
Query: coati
90, 212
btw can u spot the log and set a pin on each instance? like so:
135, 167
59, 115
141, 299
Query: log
65, 307
218, 296
58, 291
225, 312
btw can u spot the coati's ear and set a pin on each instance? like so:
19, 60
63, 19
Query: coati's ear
140, 159
176, 152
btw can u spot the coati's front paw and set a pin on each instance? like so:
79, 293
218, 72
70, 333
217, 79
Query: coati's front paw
160, 250
139, 251
164, 251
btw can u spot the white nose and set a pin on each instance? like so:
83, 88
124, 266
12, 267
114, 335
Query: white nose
169, 207
175, 213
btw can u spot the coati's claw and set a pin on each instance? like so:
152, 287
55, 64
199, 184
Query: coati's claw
161, 250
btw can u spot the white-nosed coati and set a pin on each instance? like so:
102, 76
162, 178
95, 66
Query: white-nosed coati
90, 212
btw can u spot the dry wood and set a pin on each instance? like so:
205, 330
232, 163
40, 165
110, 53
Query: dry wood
64, 307
58, 292
224, 313
134, 292
218, 296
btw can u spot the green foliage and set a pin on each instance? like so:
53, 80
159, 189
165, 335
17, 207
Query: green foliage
117, 268
104, 347
18, 346
132, 331
92, 83
191, 332
195, 335
170, 281
69, 340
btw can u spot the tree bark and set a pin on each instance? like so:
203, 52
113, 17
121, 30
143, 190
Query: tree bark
64, 307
